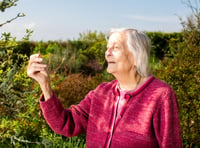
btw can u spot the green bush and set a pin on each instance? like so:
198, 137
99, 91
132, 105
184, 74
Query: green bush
19, 108
75, 67
182, 72
28, 127
75, 86
163, 44
12, 70
84, 55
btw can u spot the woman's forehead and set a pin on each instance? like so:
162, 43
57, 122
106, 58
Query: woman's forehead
116, 38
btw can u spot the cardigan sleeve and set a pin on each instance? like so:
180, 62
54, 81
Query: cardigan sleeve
166, 121
68, 122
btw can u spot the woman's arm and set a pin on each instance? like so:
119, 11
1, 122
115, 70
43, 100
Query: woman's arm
68, 122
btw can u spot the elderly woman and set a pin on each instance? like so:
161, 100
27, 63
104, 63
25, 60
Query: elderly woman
135, 110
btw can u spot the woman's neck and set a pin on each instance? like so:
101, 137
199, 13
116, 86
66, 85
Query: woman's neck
129, 82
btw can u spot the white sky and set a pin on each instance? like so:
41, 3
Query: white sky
65, 19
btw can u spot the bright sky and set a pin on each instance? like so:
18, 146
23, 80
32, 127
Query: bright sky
65, 19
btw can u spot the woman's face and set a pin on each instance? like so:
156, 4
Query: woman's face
120, 59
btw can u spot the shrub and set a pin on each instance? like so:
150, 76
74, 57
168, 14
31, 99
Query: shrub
163, 43
183, 74
12, 71
84, 55
28, 127
75, 86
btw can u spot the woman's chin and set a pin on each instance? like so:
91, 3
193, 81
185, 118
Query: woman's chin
111, 71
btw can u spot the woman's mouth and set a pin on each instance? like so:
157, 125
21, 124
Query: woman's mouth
111, 62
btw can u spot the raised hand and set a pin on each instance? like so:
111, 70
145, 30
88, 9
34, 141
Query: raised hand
38, 71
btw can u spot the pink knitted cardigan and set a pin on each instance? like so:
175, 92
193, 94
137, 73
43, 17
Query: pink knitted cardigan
149, 119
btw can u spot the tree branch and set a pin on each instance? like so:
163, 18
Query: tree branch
24, 141
18, 15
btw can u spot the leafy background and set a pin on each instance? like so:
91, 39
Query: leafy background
80, 66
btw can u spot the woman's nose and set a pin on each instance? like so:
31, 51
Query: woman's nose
108, 52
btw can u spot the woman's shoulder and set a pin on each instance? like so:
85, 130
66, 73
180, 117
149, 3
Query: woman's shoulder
107, 85
159, 86
161, 83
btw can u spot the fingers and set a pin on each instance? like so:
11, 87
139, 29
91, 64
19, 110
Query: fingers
35, 58
35, 65
38, 67
32, 57
35, 68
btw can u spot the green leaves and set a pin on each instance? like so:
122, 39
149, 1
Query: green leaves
7, 4
182, 72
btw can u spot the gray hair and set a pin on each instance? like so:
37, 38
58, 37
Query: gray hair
139, 45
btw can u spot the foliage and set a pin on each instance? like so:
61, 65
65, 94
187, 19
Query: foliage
163, 44
93, 57
20, 115
79, 65
78, 86
84, 55
29, 129
183, 73
66, 60
7, 4
10, 64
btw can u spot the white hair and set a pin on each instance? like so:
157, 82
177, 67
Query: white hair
139, 45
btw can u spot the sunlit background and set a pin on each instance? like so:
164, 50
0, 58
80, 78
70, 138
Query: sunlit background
65, 19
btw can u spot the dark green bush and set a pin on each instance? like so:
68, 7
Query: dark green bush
24, 48
163, 44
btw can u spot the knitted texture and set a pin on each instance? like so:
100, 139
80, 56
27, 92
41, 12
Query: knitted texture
149, 119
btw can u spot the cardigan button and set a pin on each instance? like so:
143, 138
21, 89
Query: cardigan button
127, 96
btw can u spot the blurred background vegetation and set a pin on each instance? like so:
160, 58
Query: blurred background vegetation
77, 66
